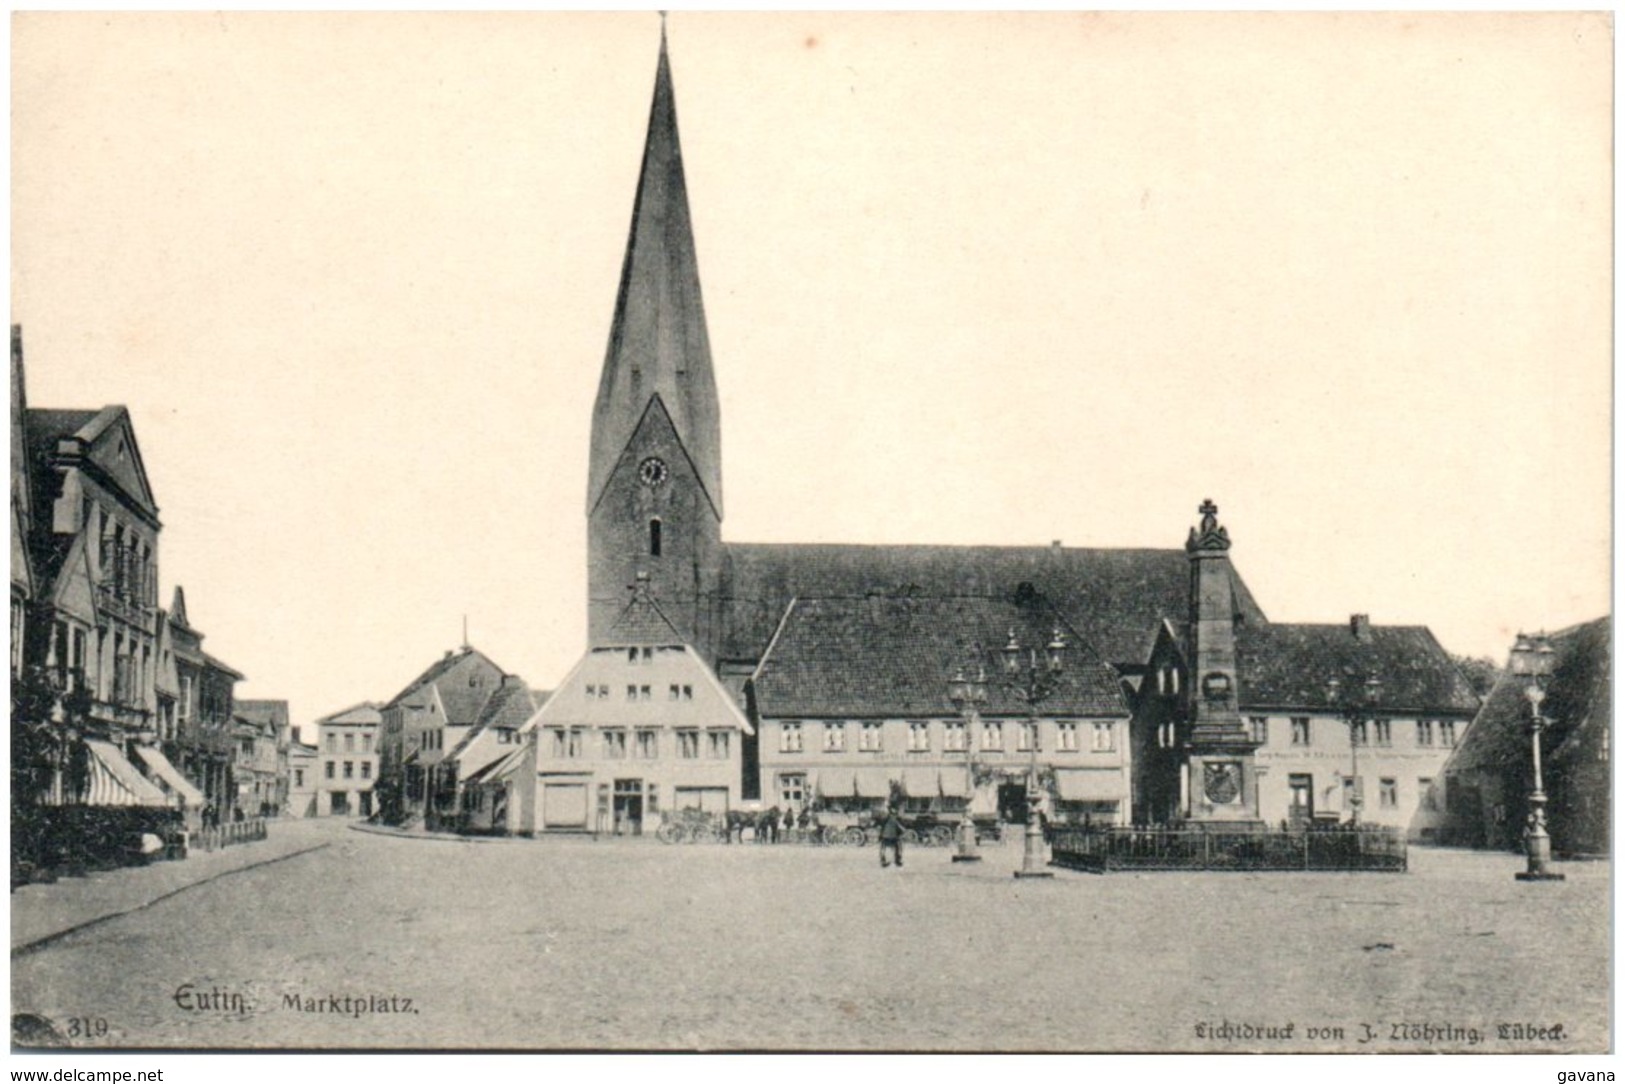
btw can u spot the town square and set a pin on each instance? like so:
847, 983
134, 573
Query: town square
641, 945
1161, 604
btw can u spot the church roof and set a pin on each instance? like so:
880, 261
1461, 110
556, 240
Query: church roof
1288, 666
658, 342
888, 657
1115, 598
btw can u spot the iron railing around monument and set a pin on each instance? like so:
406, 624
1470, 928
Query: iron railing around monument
1342, 849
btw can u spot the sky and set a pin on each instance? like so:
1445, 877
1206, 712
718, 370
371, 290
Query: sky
968, 279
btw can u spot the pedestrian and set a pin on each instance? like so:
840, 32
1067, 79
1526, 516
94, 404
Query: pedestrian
804, 822
891, 835
790, 824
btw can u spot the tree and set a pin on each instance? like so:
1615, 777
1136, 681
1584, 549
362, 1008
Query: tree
1481, 673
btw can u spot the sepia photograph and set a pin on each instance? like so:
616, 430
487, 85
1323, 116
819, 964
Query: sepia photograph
1163, 603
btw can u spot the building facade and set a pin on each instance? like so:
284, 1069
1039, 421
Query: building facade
348, 749
262, 756
854, 702
639, 729
423, 723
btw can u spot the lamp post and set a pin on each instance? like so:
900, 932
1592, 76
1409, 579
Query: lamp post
1356, 714
1032, 680
967, 696
1532, 660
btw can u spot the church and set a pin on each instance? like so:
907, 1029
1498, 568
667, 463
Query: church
868, 637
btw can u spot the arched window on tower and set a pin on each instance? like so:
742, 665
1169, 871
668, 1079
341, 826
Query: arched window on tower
654, 538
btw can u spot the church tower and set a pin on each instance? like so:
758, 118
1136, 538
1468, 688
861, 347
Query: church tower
654, 484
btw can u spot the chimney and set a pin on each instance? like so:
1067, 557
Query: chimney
1055, 545
1360, 626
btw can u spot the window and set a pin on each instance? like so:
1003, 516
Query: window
631, 692
869, 738
993, 737
1260, 725
615, 744
834, 737
953, 738
1167, 735
1447, 732
332, 743
1388, 793
1066, 737
332, 770
654, 538
1026, 736
1104, 738
1357, 732
688, 692
1173, 681
1430, 801
349, 743
349, 769
643, 693
572, 747
717, 742
792, 788
1352, 786
790, 737
299, 777
1300, 730
1302, 789
648, 744
1383, 731
1424, 732
672, 692
366, 743
919, 737
688, 744
366, 769
631, 656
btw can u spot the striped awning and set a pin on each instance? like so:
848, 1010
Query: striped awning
1090, 785
115, 781
168, 778
873, 782
954, 783
836, 783
920, 782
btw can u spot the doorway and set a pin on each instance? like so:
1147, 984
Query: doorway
1301, 811
1013, 803
628, 807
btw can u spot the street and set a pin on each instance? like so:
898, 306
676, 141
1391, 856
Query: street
380, 941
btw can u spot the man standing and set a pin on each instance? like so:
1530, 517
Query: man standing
891, 835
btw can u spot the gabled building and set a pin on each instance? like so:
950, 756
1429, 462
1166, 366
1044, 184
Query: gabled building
639, 728
304, 765
1488, 778
493, 738
1265, 721
852, 703
262, 781
423, 722
206, 742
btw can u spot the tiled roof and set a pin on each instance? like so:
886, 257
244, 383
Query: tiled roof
1288, 666
462, 701
641, 623
1578, 699
216, 664
1113, 597
877, 656
509, 706
365, 713
270, 712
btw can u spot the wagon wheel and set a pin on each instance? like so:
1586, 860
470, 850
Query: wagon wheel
855, 837
911, 837
942, 836
669, 833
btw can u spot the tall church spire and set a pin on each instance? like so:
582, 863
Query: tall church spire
658, 343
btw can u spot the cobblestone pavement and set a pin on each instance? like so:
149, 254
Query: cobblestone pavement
568, 943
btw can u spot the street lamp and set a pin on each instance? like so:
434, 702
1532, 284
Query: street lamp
1532, 660
1033, 680
967, 696
1356, 714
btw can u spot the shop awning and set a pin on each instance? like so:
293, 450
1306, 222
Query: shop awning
873, 782
836, 783
115, 781
1090, 785
953, 782
497, 770
920, 782
168, 777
